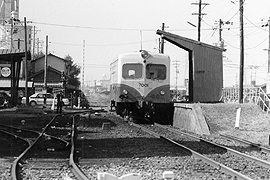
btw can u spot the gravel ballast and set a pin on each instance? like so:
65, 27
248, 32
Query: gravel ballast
126, 149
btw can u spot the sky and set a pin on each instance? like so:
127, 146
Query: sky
95, 32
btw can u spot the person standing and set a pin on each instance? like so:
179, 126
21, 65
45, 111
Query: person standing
59, 102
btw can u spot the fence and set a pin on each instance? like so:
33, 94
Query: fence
254, 95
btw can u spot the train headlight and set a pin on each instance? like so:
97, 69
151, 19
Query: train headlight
125, 92
162, 93
145, 54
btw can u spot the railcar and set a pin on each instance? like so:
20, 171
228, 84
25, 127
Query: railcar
140, 87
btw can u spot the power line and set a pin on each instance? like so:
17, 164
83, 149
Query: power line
246, 48
126, 29
90, 27
121, 44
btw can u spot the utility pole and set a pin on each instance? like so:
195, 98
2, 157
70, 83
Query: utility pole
241, 4
220, 28
162, 40
34, 42
26, 64
39, 45
253, 78
200, 14
269, 47
83, 66
268, 50
175, 63
45, 64
221, 42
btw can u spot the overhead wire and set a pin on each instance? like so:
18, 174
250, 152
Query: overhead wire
90, 27
102, 45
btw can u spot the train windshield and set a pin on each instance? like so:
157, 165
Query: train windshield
156, 71
132, 71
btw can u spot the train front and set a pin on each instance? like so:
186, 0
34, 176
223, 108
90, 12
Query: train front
140, 86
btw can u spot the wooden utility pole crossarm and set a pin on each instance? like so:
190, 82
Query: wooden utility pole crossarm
199, 16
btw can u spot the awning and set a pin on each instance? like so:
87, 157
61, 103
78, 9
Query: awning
17, 54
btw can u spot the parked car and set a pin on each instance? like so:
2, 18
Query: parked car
38, 99
4, 99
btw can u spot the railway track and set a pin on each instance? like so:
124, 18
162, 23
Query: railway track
259, 147
124, 149
45, 154
248, 167
72, 146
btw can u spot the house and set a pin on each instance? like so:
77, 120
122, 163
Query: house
56, 70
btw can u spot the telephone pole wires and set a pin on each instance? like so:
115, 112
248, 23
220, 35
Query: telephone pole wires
200, 14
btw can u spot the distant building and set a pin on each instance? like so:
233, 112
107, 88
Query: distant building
6, 7
55, 67
105, 84
12, 30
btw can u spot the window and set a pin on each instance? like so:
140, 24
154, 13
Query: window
132, 71
156, 71
40, 96
49, 96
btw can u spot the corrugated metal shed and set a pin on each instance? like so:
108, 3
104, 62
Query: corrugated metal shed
205, 67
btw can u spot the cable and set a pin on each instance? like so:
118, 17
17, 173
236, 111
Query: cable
255, 24
116, 29
257, 44
102, 44
89, 27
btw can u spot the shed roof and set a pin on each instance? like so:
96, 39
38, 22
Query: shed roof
185, 43
42, 71
50, 54
6, 54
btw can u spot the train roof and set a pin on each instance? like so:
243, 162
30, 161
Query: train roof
138, 54
135, 54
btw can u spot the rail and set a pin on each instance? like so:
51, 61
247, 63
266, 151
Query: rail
255, 95
74, 168
195, 154
256, 160
259, 146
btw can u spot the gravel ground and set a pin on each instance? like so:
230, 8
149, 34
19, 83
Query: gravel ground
5, 164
